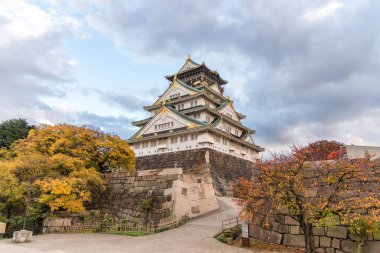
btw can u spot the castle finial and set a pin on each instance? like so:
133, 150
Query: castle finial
188, 58
175, 78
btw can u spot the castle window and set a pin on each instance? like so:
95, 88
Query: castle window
236, 132
197, 116
194, 137
175, 96
216, 138
163, 126
208, 119
183, 138
153, 143
173, 140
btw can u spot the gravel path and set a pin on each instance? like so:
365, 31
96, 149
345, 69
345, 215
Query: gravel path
195, 236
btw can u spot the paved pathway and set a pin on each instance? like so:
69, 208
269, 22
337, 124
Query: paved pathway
195, 236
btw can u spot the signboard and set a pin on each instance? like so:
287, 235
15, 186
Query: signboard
245, 235
2, 227
244, 231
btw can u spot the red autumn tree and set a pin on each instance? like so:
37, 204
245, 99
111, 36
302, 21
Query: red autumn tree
334, 155
314, 193
320, 150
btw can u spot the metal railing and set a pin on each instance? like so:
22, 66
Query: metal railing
123, 228
230, 223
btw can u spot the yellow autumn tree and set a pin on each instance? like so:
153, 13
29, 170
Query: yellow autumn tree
11, 192
61, 165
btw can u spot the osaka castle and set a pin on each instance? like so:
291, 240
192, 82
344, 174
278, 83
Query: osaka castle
193, 113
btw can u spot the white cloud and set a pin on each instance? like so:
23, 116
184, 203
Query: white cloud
300, 70
319, 13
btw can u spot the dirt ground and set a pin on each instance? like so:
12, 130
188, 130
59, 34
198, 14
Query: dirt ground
261, 246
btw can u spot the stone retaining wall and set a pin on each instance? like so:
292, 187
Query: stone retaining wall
285, 230
171, 193
225, 169
336, 239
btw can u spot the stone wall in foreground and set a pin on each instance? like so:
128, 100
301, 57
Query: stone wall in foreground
170, 193
225, 169
287, 231
336, 239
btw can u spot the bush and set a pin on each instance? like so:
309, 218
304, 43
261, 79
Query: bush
232, 233
146, 205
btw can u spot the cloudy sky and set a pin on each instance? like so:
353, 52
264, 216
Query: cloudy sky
300, 70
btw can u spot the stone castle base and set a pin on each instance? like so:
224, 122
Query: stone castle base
156, 197
225, 169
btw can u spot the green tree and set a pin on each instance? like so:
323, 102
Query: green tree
13, 130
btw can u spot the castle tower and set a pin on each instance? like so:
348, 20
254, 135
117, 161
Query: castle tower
193, 116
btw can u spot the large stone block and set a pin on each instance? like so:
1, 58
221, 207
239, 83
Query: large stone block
280, 218
294, 240
348, 246
337, 232
371, 247
295, 230
316, 241
258, 232
274, 237
325, 242
283, 229
22, 236
290, 221
335, 243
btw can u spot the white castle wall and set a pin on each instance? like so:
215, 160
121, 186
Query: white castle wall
203, 140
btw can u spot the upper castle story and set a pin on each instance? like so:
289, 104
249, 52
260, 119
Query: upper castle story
194, 103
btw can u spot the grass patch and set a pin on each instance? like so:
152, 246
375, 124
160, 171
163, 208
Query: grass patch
130, 233
229, 234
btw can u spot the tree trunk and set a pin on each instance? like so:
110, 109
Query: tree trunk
358, 245
26, 214
309, 237
9, 211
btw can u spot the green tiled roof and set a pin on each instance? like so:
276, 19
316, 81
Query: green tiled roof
225, 103
187, 86
185, 116
192, 64
216, 121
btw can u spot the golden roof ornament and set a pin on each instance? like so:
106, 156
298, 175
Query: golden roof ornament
188, 58
175, 78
